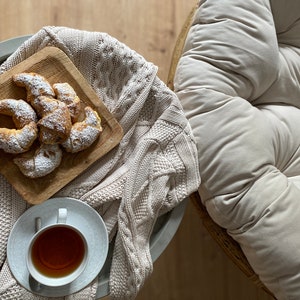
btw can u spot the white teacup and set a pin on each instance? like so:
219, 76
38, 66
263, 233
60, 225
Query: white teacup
57, 253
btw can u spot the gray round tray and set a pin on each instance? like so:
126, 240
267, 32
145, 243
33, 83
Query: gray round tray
166, 225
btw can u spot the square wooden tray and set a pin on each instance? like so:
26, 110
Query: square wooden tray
55, 66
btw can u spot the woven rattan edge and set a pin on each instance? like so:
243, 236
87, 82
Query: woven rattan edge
229, 246
177, 51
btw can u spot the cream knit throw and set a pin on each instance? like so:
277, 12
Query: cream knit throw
150, 172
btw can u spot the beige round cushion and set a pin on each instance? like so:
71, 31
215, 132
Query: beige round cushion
238, 80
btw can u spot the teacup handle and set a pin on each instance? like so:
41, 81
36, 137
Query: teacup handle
61, 219
62, 215
38, 224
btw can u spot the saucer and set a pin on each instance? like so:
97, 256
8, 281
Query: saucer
81, 215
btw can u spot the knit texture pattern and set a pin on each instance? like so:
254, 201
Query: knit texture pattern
151, 171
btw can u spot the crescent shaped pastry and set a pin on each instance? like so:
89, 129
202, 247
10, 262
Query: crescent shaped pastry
19, 139
36, 85
83, 134
55, 123
45, 160
65, 93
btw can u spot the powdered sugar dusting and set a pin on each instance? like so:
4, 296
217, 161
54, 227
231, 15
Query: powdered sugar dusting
20, 111
83, 134
65, 93
55, 124
44, 161
18, 140
36, 85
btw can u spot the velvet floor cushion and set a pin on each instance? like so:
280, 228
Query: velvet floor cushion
239, 83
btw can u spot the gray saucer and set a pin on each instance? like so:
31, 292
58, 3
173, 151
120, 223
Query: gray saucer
80, 215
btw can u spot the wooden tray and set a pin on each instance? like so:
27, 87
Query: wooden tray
55, 66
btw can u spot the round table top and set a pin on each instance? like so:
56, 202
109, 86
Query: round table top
166, 225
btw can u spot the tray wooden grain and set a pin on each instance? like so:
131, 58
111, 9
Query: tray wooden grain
55, 66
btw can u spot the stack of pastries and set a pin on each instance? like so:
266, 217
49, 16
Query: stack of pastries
53, 116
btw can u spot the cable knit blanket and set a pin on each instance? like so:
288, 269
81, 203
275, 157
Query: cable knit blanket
151, 171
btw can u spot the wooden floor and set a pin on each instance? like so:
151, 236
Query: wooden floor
192, 267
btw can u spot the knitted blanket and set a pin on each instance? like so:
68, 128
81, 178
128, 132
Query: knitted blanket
150, 172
